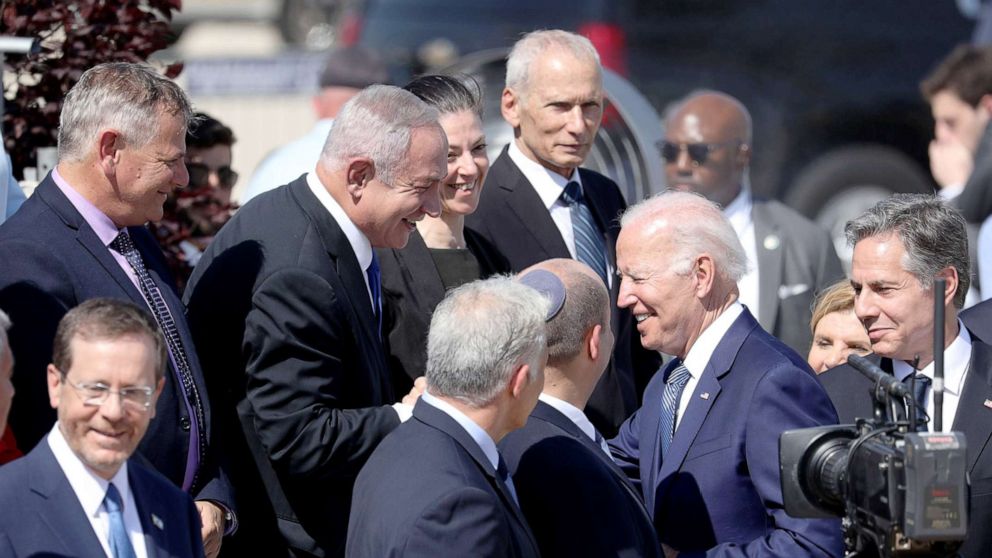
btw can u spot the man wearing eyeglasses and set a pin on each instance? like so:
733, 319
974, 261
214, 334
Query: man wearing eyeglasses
78, 493
707, 150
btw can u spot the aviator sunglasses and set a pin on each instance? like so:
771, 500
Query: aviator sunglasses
698, 152
199, 175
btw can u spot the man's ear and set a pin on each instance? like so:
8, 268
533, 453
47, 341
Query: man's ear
704, 269
519, 380
109, 146
360, 171
593, 340
510, 107
950, 274
743, 156
54, 381
985, 103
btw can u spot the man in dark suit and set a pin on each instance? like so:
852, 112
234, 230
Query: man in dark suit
81, 236
900, 245
704, 447
78, 493
707, 150
559, 449
978, 320
438, 485
285, 308
554, 101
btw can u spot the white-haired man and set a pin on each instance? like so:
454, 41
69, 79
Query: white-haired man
538, 204
704, 446
286, 310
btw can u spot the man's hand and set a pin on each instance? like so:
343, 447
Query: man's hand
419, 385
951, 162
212, 531
669, 551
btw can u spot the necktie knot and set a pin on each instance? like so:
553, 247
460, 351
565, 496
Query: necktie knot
679, 376
572, 193
113, 499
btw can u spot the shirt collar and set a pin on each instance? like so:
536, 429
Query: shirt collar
573, 413
548, 185
738, 212
90, 488
360, 244
701, 352
104, 228
957, 357
481, 437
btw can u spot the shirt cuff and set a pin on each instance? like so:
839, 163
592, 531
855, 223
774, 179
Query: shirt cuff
403, 410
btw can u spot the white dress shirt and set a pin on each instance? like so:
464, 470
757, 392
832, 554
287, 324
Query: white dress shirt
957, 360
702, 351
549, 187
579, 418
91, 489
738, 212
362, 248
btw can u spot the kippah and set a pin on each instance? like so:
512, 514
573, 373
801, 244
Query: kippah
549, 285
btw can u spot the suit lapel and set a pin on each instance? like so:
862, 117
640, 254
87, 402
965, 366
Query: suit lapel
973, 416
770, 265
520, 199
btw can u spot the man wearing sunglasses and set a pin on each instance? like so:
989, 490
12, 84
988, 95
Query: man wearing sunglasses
78, 492
707, 150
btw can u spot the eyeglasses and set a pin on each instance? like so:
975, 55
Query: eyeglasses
138, 398
199, 175
698, 152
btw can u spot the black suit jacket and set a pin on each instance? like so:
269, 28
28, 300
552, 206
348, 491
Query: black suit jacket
851, 395
51, 262
550, 459
430, 491
978, 320
513, 218
42, 517
412, 289
282, 318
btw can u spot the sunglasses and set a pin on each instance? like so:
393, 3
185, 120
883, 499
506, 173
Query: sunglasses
199, 175
698, 152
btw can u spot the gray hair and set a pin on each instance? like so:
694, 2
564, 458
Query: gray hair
4, 327
535, 43
587, 304
933, 233
480, 333
377, 123
126, 97
700, 227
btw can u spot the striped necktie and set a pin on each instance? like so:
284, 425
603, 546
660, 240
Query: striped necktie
674, 386
589, 246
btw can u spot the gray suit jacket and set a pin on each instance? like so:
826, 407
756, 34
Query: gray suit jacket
796, 260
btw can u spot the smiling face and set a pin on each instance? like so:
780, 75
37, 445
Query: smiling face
556, 117
468, 162
104, 436
389, 212
837, 335
896, 310
144, 176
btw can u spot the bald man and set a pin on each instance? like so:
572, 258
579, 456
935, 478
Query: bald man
707, 150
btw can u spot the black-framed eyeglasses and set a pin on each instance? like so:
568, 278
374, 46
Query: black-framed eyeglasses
199, 175
95, 394
698, 152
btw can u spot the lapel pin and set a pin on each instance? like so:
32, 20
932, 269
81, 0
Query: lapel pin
772, 242
157, 521
988, 403
704, 395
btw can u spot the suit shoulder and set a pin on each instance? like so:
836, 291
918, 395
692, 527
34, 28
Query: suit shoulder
788, 218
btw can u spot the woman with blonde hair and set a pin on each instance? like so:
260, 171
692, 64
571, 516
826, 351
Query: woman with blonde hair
837, 331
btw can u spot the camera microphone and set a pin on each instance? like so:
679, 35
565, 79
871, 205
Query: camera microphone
888, 382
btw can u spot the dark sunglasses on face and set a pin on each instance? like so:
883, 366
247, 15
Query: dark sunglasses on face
698, 152
199, 175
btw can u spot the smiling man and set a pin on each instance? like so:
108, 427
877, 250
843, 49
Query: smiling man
538, 204
78, 493
285, 307
81, 236
900, 245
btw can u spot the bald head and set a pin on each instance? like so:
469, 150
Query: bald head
721, 128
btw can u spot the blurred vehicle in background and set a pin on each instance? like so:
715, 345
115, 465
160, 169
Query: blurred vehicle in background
832, 86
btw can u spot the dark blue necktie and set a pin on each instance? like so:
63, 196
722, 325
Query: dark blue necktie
674, 386
589, 246
920, 395
153, 297
120, 544
375, 286
504, 475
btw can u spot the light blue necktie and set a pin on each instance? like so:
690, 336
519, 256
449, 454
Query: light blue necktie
674, 386
589, 246
120, 544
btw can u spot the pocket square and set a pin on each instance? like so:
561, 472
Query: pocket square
785, 291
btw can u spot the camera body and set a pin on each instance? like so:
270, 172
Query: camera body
900, 493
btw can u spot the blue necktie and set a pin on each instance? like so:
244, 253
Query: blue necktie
504, 475
375, 286
674, 386
120, 544
920, 395
589, 246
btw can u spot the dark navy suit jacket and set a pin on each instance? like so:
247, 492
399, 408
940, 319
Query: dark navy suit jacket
978, 320
429, 491
41, 515
851, 394
717, 492
576, 499
51, 261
